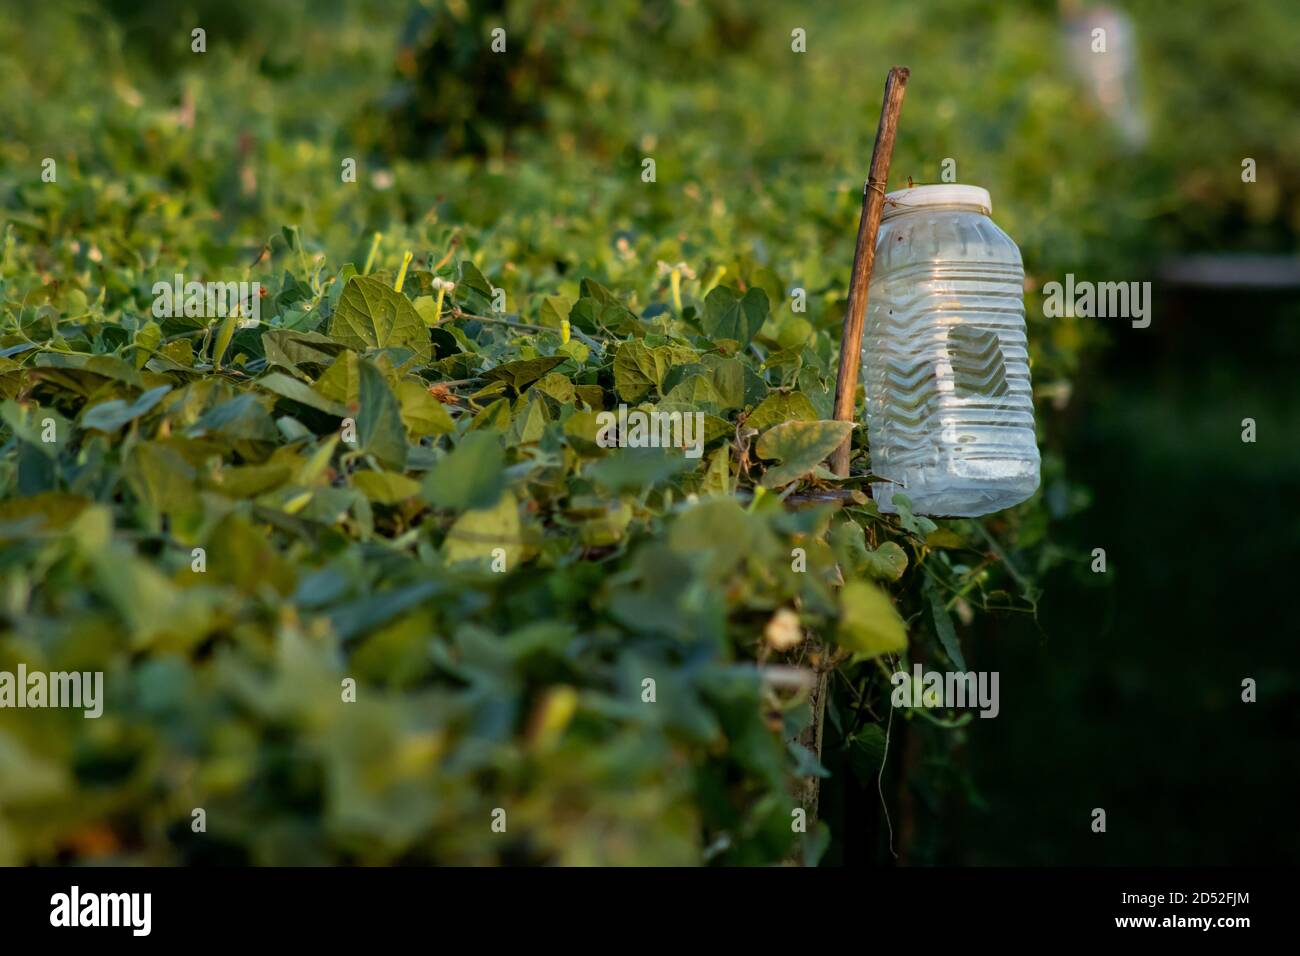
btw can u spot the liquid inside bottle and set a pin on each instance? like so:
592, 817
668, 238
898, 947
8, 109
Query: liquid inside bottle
950, 416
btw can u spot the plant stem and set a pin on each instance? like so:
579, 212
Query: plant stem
401, 274
374, 248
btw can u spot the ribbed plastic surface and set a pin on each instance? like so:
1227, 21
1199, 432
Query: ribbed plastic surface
950, 415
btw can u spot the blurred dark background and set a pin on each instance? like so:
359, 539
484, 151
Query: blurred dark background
1126, 693
1132, 691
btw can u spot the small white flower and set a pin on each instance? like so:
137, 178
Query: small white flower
782, 631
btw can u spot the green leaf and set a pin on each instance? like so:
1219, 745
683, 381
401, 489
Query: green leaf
242, 418
241, 555
727, 376
601, 523
945, 538
554, 310
609, 317
629, 469
470, 278
373, 611
721, 529
866, 752
108, 366
717, 480
919, 525
159, 476
224, 334
385, 487
29, 424
341, 382
727, 317
869, 624
943, 624
289, 349
379, 420
591, 395
146, 601
471, 477
147, 338
781, 407
476, 534
247, 481
590, 288
110, 416
43, 512
421, 412
817, 390
800, 447
887, 562
523, 373
638, 369
371, 315
304, 394
528, 423
695, 394
494, 417
558, 386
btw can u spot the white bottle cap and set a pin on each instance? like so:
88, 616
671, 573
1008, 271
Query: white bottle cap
942, 194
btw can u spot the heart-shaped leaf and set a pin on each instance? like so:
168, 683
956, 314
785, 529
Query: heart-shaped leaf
800, 447
371, 315
868, 623
781, 407
727, 317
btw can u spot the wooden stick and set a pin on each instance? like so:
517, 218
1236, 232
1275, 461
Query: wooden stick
873, 205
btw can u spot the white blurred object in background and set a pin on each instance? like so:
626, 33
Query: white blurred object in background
1102, 47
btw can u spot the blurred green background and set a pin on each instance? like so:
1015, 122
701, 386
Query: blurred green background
1124, 691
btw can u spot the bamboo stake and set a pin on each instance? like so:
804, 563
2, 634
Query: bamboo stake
873, 205
846, 383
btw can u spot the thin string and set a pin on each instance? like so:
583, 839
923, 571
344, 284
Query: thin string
880, 778
880, 188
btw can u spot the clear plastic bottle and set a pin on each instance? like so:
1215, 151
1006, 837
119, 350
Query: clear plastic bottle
950, 415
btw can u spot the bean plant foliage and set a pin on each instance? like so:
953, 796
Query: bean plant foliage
366, 486
363, 582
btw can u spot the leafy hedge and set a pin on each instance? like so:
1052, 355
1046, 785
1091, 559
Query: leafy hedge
365, 487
